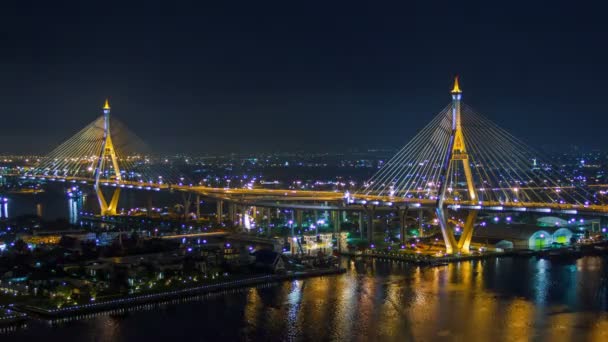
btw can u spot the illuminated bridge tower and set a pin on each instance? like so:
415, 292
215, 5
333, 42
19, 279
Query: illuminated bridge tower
456, 152
107, 154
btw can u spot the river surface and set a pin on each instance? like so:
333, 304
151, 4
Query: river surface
508, 299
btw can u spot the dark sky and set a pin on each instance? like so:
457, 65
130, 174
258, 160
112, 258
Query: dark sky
247, 76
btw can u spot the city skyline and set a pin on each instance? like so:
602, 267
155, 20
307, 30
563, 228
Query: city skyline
223, 80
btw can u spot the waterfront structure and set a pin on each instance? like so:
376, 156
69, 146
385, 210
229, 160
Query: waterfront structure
460, 161
456, 151
107, 152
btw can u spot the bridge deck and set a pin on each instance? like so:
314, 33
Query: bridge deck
290, 198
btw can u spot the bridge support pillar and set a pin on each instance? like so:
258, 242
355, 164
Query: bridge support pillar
107, 209
360, 224
402, 212
198, 207
420, 223
370, 224
107, 151
219, 211
336, 226
187, 202
337, 222
299, 217
244, 217
446, 231
464, 242
232, 213
149, 205
269, 222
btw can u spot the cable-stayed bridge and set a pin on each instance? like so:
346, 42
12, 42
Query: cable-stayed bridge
459, 161
464, 161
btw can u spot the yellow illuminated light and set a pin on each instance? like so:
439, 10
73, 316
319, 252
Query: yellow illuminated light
456, 88
107, 105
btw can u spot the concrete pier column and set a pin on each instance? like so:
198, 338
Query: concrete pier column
336, 224
268, 223
149, 204
370, 223
402, 212
446, 231
360, 224
464, 242
336, 221
420, 223
232, 213
198, 207
187, 202
299, 218
243, 218
219, 211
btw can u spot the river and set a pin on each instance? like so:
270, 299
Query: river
503, 299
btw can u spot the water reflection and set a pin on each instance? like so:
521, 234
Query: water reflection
4, 209
499, 299
294, 300
75, 208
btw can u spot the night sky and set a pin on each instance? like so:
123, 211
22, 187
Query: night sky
257, 76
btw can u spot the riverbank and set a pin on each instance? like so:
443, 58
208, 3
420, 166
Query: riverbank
598, 248
9, 316
423, 260
141, 299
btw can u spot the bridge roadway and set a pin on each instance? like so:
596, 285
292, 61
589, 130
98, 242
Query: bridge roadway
331, 200
230, 237
195, 235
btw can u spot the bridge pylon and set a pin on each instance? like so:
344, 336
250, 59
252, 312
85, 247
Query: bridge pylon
456, 152
107, 152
